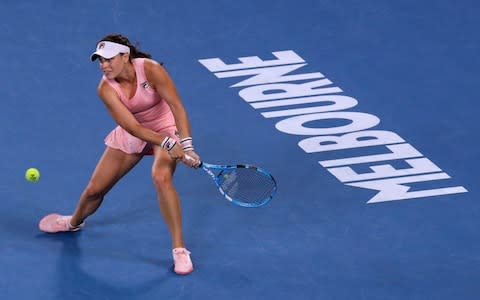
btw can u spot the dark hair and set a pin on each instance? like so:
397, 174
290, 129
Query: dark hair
120, 39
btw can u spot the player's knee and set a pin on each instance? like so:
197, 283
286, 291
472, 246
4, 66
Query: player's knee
94, 190
162, 179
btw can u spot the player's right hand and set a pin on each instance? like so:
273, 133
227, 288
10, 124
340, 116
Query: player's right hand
191, 159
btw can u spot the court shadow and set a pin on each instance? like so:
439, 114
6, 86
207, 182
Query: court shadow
73, 282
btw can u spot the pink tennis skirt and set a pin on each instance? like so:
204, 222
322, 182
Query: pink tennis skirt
120, 139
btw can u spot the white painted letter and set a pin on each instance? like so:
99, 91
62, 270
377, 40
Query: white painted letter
269, 75
340, 102
400, 151
360, 121
287, 90
419, 166
284, 58
359, 139
392, 189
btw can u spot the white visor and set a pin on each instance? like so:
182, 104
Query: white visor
108, 50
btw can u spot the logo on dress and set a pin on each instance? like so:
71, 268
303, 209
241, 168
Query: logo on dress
146, 85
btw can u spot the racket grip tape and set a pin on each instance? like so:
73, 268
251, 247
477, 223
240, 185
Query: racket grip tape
188, 157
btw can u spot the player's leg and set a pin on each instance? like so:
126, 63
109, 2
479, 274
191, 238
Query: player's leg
112, 166
162, 174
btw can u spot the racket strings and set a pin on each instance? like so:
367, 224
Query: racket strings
247, 184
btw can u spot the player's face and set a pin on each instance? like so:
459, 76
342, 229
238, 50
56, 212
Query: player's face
112, 67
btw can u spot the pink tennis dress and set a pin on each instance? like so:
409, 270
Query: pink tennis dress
149, 109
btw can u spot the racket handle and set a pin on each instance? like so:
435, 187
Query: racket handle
191, 158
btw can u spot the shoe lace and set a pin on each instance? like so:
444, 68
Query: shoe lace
62, 221
65, 222
181, 252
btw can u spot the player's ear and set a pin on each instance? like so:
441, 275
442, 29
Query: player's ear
125, 57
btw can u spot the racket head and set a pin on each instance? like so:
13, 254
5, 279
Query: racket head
243, 185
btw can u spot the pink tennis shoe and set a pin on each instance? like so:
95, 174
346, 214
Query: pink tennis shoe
182, 261
53, 223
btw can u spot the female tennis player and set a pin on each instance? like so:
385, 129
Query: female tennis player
143, 100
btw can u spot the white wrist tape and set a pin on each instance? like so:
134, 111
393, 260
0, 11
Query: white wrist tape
187, 144
168, 143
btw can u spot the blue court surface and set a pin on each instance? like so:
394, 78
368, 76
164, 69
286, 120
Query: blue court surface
366, 113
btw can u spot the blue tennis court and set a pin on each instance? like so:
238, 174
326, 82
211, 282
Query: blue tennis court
365, 112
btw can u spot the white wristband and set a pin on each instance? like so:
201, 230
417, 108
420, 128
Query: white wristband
187, 144
168, 143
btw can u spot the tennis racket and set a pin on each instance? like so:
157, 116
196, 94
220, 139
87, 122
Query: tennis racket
243, 185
